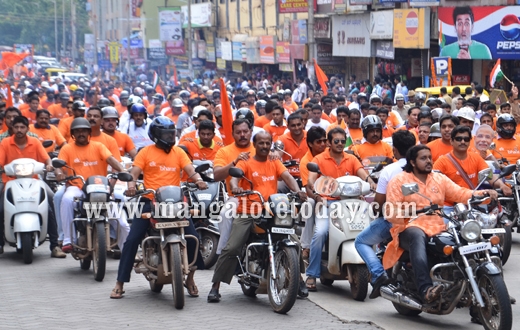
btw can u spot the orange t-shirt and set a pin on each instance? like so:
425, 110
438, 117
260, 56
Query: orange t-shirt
264, 176
159, 168
349, 165
304, 172
52, 134
439, 148
290, 107
124, 142
86, 160
263, 120
296, 151
44, 104
387, 132
121, 109
10, 151
471, 165
57, 111
23, 107
275, 131
509, 148
327, 118
198, 152
356, 134
64, 127
107, 141
367, 149
392, 120
228, 154
30, 115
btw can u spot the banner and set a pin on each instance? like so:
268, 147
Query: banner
226, 49
114, 52
441, 71
267, 49
200, 15
412, 28
351, 35
173, 48
170, 25
322, 28
424, 3
294, 6
385, 49
493, 33
283, 52
382, 24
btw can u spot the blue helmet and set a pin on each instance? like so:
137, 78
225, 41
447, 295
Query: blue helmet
162, 133
138, 108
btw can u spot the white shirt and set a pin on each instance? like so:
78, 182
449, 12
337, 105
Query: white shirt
139, 135
388, 173
398, 90
296, 95
303, 89
323, 124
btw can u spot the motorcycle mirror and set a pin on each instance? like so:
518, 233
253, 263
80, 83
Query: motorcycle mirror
47, 143
125, 176
508, 170
202, 168
54, 121
58, 163
350, 152
492, 146
313, 167
278, 145
236, 172
183, 147
377, 168
486, 174
409, 189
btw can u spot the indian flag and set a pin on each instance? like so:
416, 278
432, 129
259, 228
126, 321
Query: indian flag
496, 74
349, 139
156, 79
442, 38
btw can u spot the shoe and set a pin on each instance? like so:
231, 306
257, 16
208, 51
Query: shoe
67, 248
512, 300
57, 253
376, 287
214, 296
433, 293
1, 249
302, 290
305, 254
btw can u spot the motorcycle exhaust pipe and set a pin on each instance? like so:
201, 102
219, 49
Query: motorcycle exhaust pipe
399, 298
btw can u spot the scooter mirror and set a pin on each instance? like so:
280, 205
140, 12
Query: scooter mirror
47, 143
378, 167
486, 174
492, 146
313, 167
278, 145
202, 168
58, 163
409, 189
125, 176
508, 170
236, 172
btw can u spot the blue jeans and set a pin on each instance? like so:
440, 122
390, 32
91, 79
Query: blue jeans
58, 196
321, 231
378, 231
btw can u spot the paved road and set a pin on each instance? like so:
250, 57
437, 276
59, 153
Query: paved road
56, 293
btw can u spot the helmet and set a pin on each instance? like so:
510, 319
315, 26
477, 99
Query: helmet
184, 94
103, 102
261, 94
251, 93
425, 108
287, 91
73, 87
505, 119
260, 104
245, 113
435, 130
177, 103
371, 122
466, 113
158, 96
138, 108
133, 100
78, 123
110, 112
64, 96
79, 105
149, 89
159, 126
420, 96
124, 95
138, 91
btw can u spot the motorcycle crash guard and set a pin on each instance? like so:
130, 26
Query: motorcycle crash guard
488, 268
173, 238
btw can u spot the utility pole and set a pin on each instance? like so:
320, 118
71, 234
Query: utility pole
190, 44
63, 25
311, 41
128, 35
94, 21
56, 30
73, 30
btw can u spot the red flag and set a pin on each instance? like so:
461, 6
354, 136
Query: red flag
175, 80
227, 114
10, 59
321, 76
9, 102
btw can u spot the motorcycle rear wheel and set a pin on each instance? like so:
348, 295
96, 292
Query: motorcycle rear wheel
497, 313
99, 253
177, 276
27, 247
359, 282
283, 290
208, 248
505, 243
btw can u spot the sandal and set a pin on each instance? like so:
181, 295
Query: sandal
192, 290
305, 254
311, 284
116, 294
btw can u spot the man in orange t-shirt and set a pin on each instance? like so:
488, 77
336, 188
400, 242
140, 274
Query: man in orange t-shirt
87, 158
443, 145
264, 174
373, 149
295, 144
355, 132
277, 126
30, 113
507, 144
46, 131
78, 111
60, 110
206, 145
109, 125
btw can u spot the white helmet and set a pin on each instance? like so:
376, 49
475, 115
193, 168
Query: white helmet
466, 113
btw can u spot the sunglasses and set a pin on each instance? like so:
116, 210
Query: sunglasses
460, 138
336, 141
321, 141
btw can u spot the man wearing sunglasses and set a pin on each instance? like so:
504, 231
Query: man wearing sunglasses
333, 163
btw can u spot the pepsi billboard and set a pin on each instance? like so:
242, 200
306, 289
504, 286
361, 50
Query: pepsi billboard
480, 32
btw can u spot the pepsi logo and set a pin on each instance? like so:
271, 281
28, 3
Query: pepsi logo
510, 27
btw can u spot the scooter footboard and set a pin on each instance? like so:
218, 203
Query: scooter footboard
349, 254
27, 223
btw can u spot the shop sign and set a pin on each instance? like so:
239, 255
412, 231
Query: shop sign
351, 35
227, 50
237, 51
324, 55
495, 33
360, 2
210, 53
424, 3
299, 31
322, 28
283, 52
390, 1
412, 28
200, 15
267, 49
221, 64
324, 6
156, 53
236, 67
218, 50
461, 79
201, 49
385, 49
297, 51
253, 50
288, 67
294, 6
114, 52
170, 24
382, 24
175, 48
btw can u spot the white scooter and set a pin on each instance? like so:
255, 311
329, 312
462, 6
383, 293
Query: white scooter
25, 207
347, 218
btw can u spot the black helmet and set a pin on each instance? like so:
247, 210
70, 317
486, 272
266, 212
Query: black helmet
64, 96
110, 112
78, 123
505, 119
79, 105
371, 122
103, 102
160, 126
245, 113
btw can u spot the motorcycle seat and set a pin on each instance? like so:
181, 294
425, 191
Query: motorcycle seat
257, 229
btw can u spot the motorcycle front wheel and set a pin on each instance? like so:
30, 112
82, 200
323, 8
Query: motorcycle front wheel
99, 252
177, 276
27, 247
496, 313
505, 243
283, 289
208, 248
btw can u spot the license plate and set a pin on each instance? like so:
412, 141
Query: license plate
287, 231
176, 224
475, 248
494, 231
356, 225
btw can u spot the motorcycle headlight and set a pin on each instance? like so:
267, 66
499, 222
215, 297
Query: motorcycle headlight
487, 221
283, 221
470, 230
351, 189
23, 169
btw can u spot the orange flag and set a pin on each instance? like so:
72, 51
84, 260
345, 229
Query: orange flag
227, 114
9, 102
342, 124
321, 76
10, 59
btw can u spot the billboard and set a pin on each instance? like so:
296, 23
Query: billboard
412, 28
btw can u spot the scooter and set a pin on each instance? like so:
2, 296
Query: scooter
347, 218
25, 207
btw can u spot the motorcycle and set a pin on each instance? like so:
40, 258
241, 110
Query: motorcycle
347, 218
270, 258
461, 262
91, 230
25, 207
291, 164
